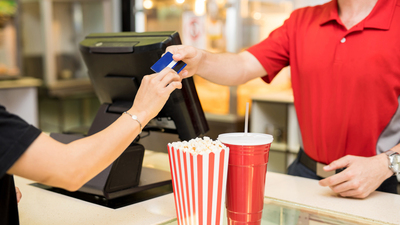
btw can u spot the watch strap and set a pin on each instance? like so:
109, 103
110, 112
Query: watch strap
390, 152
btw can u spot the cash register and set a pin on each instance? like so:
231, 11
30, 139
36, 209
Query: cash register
116, 64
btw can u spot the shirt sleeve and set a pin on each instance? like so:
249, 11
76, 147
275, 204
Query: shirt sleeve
16, 136
273, 52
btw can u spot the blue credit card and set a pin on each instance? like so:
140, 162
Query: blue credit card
167, 61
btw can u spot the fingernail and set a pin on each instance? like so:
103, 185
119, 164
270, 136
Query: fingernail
327, 167
177, 55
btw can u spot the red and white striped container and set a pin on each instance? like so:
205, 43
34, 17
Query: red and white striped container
199, 183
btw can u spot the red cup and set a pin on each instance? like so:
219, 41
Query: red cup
247, 168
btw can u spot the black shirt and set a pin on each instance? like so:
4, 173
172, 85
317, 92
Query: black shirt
15, 137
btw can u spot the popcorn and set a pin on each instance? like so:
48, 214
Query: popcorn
199, 146
199, 170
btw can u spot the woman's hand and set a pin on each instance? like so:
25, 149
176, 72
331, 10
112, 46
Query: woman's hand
19, 194
153, 93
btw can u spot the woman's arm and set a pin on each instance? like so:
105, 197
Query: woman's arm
70, 166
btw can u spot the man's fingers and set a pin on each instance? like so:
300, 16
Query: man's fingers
338, 164
177, 53
175, 48
335, 179
182, 52
354, 193
345, 187
360, 178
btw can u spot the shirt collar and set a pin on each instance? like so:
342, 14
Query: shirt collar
379, 18
330, 13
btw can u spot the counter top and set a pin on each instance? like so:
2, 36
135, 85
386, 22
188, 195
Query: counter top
41, 207
284, 96
379, 207
20, 83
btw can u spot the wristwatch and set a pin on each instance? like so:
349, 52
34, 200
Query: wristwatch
394, 161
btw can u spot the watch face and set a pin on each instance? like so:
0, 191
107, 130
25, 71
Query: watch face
396, 163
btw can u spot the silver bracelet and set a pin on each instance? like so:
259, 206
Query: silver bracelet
137, 120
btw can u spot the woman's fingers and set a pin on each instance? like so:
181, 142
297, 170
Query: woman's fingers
165, 77
155, 90
172, 86
19, 194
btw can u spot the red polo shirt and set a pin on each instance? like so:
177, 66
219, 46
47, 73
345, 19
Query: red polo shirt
346, 83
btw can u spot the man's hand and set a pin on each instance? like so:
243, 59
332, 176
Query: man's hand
229, 69
188, 54
362, 175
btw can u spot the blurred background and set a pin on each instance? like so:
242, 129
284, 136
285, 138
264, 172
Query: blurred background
39, 54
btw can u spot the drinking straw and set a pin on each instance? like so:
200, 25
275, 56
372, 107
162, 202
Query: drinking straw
246, 118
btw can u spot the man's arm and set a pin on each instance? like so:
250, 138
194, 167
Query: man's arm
221, 68
362, 175
69, 166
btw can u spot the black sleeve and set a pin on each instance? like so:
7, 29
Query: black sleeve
8, 201
15, 137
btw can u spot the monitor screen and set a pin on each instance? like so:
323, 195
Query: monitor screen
116, 64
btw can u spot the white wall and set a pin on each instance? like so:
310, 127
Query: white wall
22, 102
303, 3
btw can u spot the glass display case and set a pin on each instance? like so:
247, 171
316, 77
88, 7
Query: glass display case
279, 212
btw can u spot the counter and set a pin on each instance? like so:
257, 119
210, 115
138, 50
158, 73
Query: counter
22, 82
41, 207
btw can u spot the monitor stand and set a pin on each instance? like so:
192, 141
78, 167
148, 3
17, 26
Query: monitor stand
153, 183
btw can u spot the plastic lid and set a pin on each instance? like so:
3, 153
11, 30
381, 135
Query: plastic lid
245, 139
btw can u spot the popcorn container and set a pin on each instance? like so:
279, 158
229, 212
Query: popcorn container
246, 176
199, 175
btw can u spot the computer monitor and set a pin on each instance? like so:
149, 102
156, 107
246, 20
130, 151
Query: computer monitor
116, 65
